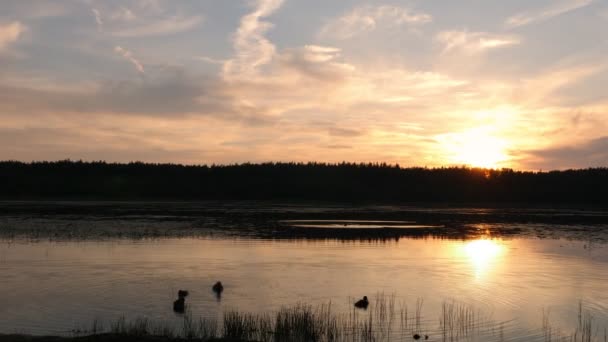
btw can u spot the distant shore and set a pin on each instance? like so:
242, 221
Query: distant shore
343, 182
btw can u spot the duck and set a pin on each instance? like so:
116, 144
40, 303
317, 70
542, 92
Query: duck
417, 337
362, 303
218, 288
179, 305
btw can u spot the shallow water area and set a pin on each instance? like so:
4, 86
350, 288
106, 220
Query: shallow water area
54, 287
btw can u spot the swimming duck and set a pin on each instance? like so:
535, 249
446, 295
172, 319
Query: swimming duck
362, 303
218, 288
417, 337
179, 305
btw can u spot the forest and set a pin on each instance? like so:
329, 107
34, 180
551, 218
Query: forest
344, 182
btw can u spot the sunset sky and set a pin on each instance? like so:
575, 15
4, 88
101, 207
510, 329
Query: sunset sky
518, 83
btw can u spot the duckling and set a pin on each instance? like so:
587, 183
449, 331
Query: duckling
182, 294
218, 288
179, 305
416, 337
362, 303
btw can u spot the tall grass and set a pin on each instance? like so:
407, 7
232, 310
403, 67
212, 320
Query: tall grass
383, 321
456, 321
586, 330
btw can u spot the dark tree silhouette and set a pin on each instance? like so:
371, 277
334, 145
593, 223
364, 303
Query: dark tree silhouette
376, 182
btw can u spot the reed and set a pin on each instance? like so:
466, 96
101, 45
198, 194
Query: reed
383, 321
458, 321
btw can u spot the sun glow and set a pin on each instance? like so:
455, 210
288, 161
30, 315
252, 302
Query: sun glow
477, 147
483, 254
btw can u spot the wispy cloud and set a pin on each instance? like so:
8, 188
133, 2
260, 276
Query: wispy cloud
321, 62
9, 33
160, 27
145, 19
210, 60
129, 56
368, 18
98, 19
473, 42
39, 9
592, 153
252, 48
529, 17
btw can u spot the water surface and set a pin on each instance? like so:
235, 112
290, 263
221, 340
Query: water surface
53, 287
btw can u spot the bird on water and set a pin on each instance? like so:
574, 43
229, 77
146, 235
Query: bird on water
362, 303
218, 288
179, 305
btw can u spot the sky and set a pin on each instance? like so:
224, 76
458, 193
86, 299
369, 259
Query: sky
492, 83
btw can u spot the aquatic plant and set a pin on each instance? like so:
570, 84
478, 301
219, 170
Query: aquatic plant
384, 321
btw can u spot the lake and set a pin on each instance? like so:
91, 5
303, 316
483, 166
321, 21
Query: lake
512, 278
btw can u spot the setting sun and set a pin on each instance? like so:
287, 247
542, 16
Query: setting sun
476, 147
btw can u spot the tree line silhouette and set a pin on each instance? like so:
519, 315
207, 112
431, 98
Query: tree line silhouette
364, 182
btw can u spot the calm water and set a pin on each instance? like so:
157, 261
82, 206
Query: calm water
55, 287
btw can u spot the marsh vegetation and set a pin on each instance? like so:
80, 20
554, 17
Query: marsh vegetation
386, 320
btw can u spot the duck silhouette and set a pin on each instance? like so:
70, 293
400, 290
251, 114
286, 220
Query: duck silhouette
218, 288
179, 305
362, 303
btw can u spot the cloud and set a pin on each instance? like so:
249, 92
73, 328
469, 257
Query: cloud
540, 90
9, 33
368, 18
316, 61
171, 94
142, 19
252, 48
344, 132
530, 17
123, 14
80, 141
592, 153
129, 56
36, 9
473, 42
210, 60
160, 27
98, 19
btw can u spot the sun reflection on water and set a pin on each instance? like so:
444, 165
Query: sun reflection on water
483, 254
